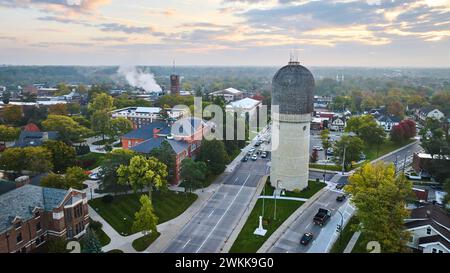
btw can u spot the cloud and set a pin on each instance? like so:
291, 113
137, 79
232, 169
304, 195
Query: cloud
54, 6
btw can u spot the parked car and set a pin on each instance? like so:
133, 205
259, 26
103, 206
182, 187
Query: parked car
254, 157
329, 151
264, 155
340, 186
362, 156
341, 198
95, 176
244, 159
306, 238
318, 148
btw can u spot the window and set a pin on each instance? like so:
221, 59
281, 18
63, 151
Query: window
429, 231
38, 226
78, 211
19, 238
37, 214
69, 232
440, 251
434, 250
18, 225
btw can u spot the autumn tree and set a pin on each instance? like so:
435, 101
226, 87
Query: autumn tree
74, 178
166, 155
8, 133
58, 109
326, 140
380, 198
143, 172
12, 114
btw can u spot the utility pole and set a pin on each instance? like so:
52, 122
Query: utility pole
275, 208
343, 160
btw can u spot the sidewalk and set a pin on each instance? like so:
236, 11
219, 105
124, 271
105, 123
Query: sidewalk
352, 242
283, 198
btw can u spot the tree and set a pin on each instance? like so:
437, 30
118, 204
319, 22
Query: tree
74, 178
446, 187
165, 154
90, 243
8, 133
352, 146
110, 164
193, 173
58, 109
63, 155
366, 128
57, 245
12, 114
397, 133
68, 129
326, 141
63, 89
120, 126
380, 198
314, 156
101, 123
145, 219
6, 96
215, 156
73, 108
102, 102
82, 121
143, 172
33, 159
396, 108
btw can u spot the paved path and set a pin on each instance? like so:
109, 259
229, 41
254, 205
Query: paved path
352, 242
283, 198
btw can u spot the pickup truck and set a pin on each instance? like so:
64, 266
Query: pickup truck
322, 217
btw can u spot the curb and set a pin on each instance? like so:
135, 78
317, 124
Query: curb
276, 235
243, 219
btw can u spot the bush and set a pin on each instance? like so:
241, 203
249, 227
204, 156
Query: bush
107, 199
82, 149
95, 225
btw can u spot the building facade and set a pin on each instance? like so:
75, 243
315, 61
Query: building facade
32, 215
229, 94
292, 106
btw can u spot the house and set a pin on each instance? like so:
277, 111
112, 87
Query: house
34, 139
387, 122
184, 137
422, 163
429, 112
337, 123
141, 116
429, 226
32, 215
229, 94
322, 101
245, 106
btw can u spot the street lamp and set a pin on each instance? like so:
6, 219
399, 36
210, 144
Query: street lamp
326, 151
351, 134
339, 227
275, 195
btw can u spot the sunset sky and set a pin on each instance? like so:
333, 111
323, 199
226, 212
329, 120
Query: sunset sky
225, 32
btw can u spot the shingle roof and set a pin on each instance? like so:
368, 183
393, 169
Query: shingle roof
21, 202
148, 145
27, 138
434, 239
146, 131
432, 212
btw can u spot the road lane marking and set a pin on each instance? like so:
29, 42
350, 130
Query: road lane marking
186, 243
223, 215
211, 212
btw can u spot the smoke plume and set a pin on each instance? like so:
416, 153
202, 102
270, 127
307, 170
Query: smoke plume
138, 78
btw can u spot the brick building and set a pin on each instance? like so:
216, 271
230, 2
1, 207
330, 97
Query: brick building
184, 137
31, 215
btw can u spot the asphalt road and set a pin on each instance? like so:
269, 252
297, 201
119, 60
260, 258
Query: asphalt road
289, 242
209, 229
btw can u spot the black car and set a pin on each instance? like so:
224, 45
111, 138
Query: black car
340, 198
340, 186
306, 238
244, 159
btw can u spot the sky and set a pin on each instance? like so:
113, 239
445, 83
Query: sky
379, 33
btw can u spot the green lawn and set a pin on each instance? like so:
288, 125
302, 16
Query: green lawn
247, 242
142, 243
115, 251
345, 236
120, 213
90, 161
313, 187
388, 146
102, 237
325, 167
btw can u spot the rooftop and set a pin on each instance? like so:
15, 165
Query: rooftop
22, 201
246, 104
